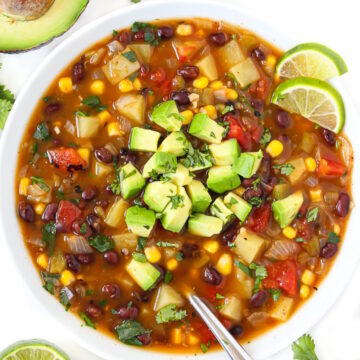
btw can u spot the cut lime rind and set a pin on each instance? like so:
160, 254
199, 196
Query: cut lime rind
314, 99
310, 60
33, 350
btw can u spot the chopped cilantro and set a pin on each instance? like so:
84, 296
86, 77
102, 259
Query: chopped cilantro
233, 78
265, 137
101, 243
168, 277
87, 320
312, 214
304, 348
94, 102
176, 201
255, 201
130, 55
128, 332
242, 267
205, 347
42, 132
285, 169
333, 238
169, 313
48, 236
166, 244
275, 294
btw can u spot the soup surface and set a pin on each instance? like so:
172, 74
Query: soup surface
155, 165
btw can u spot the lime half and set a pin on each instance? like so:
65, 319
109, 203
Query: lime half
310, 60
314, 99
33, 350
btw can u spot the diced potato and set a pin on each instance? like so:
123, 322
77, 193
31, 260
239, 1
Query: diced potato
126, 240
132, 107
87, 126
307, 142
102, 169
120, 68
168, 295
282, 308
248, 245
207, 67
230, 54
299, 170
232, 308
281, 191
246, 284
143, 51
115, 216
245, 72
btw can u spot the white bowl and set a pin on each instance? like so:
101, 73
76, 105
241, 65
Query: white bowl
106, 347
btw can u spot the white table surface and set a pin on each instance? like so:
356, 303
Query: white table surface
334, 23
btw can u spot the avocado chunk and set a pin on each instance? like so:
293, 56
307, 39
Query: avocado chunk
226, 152
204, 225
166, 115
199, 196
196, 160
238, 206
160, 163
248, 164
140, 220
180, 177
220, 210
144, 274
206, 129
144, 139
285, 210
176, 143
157, 195
131, 181
222, 178
177, 211
20, 35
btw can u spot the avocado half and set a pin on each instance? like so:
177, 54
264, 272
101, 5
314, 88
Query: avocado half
22, 35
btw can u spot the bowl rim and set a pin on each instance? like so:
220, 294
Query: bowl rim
263, 346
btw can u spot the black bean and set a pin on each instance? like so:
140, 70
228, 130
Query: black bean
124, 151
328, 250
181, 97
258, 54
127, 312
95, 222
93, 311
248, 182
124, 37
89, 192
72, 263
190, 250
104, 155
26, 212
111, 290
230, 234
52, 108
139, 35
145, 339
85, 259
165, 32
78, 72
258, 299
188, 72
143, 296
342, 205
236, 331
329, 137
111, 257
218, 39
283, 119
80, 227
251, 192
131, 157
212, 276
257, 104
49, 213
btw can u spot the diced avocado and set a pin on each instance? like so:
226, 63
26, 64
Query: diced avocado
87, 126
143, 51
181, 176
232, 308
238, 206
177, 211
199, 196
204, 225
176, 143
298, 172
248, 164
285, 210
222, 178
220, 210
204, 128
245, 72
140, 220
207, 67
230, 54
132, 106
196, 161
160, 163
144, 274
144, 139
166, 115
226, 152
131, 181
281, 191
248, 245
168, 295
157, 195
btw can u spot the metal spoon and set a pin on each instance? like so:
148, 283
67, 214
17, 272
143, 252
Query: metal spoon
226, 340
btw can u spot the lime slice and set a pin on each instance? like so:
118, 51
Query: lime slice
314, 99
33, 350
310, 60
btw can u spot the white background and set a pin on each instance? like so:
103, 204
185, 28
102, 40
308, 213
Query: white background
334, 23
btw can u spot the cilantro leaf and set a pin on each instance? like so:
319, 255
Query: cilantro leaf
168, 277
166, 244
285, 169
312, 214
48, 236
177, 201
94, 102
50, 281
101, 243
265, 137
129, 55
42, 132
275, 294
87, 320
304, 348
169, 313
333, 238
129, 330
205, 347
5, 107
6, 94
233, 78
242, 267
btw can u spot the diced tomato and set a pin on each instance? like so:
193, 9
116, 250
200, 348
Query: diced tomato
211, 291
158, 76
165, 88
330, 168
238, 133
66, 214
282, 275
66, 159
204, 332
259, 218
304, 229
257, 133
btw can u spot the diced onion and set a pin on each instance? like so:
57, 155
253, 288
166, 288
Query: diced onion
78, 244
282, 249
97, 56
115, 46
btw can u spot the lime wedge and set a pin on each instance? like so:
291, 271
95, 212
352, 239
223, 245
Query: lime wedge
314, 99
33, 350
310, 60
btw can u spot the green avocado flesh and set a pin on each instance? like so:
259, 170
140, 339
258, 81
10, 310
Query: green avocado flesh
18, 35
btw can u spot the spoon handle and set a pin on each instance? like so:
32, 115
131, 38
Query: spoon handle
226, 340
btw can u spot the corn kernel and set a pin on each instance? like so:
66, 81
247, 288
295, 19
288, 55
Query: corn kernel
188, 115
137, 84
201, 83
97, 87
42, 260
231, 94
65, 85
153, 254
271, 60
126, 85
289, 232
216, 84
239, 191
184, 29
310, 164
210, 110
114, 130
67, 277
225, 264
172, 264
308, 277
193, 339
275, 148
315, 195
176, 336
85, 154
104, 116
23, 186
211, 246
304, 291
39, 208
337, 229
